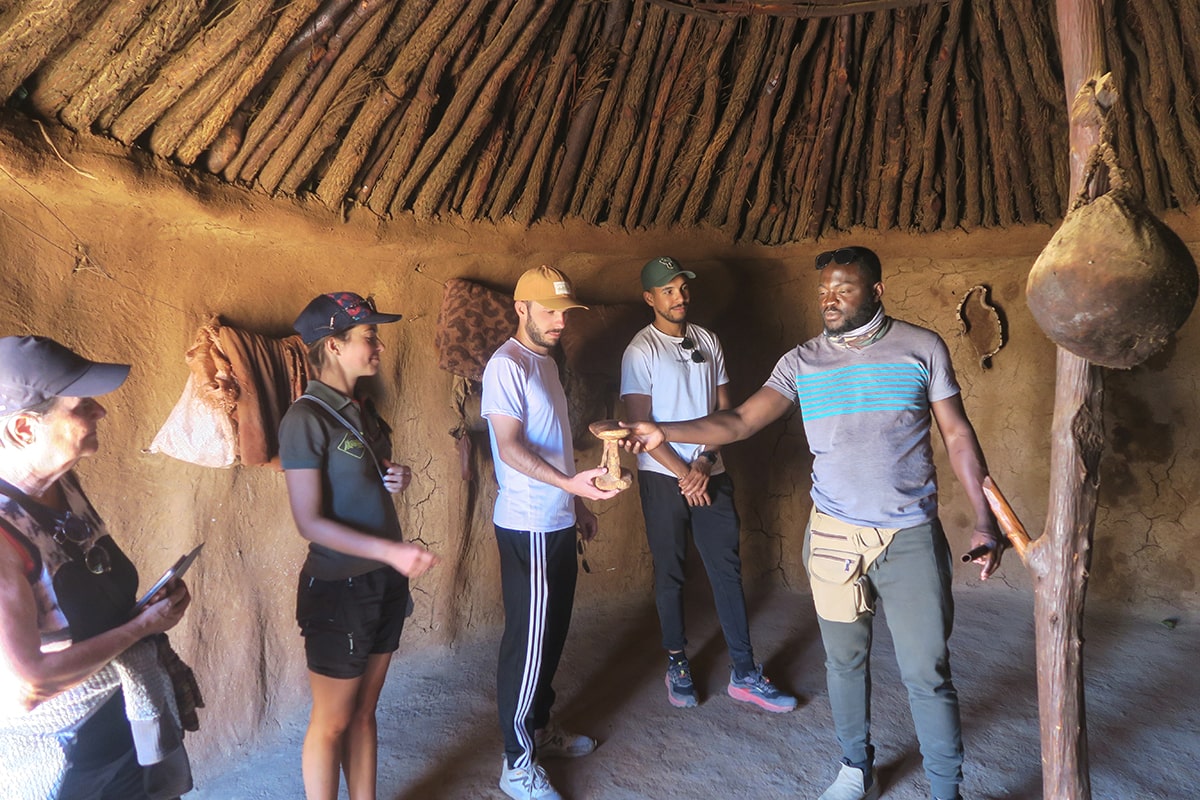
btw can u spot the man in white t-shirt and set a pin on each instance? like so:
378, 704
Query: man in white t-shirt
538, 509
674, 370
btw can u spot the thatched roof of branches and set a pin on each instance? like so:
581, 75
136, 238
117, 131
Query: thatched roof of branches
773, 120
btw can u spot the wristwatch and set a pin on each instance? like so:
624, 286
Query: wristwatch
711, 455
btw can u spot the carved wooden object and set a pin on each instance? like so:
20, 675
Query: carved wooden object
610, 432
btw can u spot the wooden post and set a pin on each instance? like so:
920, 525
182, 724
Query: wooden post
1059, 560
1077, 439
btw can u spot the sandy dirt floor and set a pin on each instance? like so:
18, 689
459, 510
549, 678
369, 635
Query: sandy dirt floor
439, 738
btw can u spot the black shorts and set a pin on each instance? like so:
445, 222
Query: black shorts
345, 621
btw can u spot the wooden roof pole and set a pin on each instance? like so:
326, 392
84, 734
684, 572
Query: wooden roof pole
1060, 559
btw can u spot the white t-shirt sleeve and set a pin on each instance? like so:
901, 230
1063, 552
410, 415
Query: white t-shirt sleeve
718, 356
636, 374
503, 389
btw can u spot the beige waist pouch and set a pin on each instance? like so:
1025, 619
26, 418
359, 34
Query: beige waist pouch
839, 555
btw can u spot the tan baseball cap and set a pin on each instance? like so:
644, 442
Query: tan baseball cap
548, 287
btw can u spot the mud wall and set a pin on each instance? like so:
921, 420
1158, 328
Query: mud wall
124, 257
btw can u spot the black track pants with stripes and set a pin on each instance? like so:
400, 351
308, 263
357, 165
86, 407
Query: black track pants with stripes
537, 577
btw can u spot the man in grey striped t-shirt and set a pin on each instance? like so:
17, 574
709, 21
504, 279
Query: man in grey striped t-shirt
867, 387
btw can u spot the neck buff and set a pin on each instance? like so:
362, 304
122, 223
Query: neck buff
859, 338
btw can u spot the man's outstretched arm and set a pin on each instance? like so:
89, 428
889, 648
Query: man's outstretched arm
719, 428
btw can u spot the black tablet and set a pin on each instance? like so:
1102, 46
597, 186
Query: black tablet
176, 570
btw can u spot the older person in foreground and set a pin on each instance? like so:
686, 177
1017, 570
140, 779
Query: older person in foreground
80, 681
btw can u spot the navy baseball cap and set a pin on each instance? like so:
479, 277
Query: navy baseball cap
34, 369
335, 312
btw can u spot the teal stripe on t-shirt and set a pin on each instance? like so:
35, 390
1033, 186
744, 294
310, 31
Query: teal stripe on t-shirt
863, 388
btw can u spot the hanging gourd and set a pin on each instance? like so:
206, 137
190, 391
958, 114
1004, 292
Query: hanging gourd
1114, 282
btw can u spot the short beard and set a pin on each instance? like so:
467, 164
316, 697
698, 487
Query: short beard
682, 318
535, 335
863, 316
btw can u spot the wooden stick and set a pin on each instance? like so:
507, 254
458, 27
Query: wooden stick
851, 208
30, 32
1048, 173
469, 112
586, 108
627, 195
477, 77
160, 32
203, 53
700, 124
553, 93
674, 50
1007, 519
930, 166
485, 167
1178, 134
677, 113
971, 215
754, 43
174, 126
224, 127
610, 100
765, 197
620, 158
1008, 162
804, 9
762, 129
527, 205
347, 84
416, 111
839, 93
65, 74
891, 134
356, 18
1155, 182
425, 24
951, 211
918, 112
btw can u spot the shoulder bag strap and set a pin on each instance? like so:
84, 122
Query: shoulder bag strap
346, 423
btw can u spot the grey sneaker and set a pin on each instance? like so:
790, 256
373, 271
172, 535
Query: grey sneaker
756, 689
849, 785
526, 784
681, 692
553, 742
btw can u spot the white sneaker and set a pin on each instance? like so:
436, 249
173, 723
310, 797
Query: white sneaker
849, 786
553, 742
526, 784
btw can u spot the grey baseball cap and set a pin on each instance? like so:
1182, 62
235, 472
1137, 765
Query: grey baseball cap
34, 369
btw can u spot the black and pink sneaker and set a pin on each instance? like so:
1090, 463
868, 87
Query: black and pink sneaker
757, 689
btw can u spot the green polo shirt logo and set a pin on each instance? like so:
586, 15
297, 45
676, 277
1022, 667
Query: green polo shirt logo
351, 446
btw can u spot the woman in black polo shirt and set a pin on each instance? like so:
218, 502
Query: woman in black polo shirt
353, 593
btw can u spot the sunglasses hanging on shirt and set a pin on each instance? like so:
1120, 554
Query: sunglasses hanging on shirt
69, 531
688, 345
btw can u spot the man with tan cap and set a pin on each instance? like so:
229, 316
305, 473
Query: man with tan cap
538, 509
675, 370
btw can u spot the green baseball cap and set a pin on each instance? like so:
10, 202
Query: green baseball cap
661, 271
